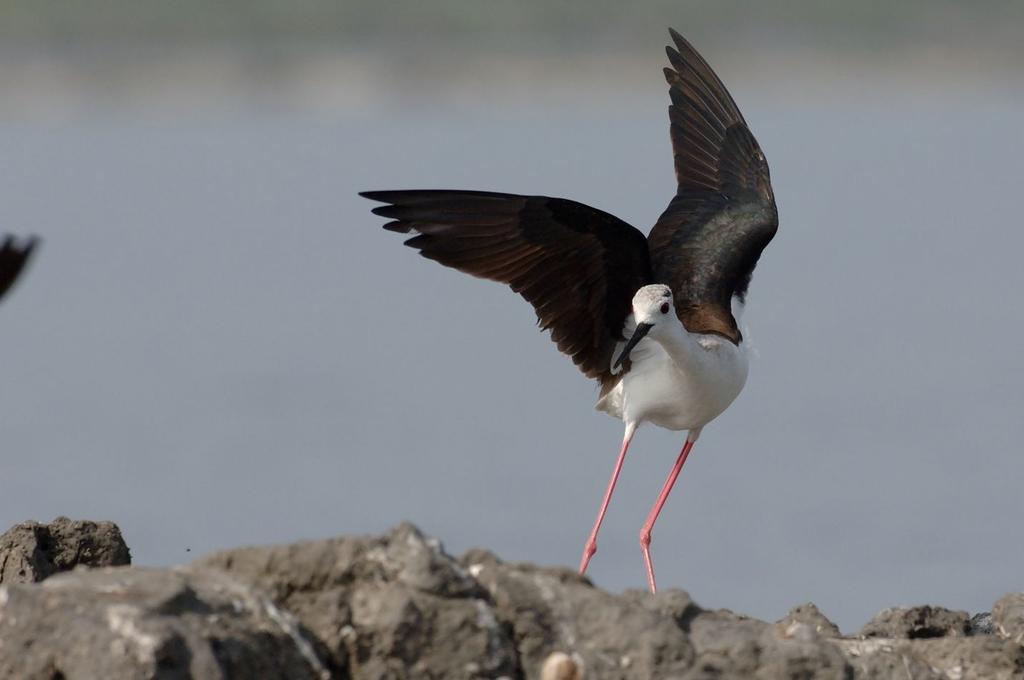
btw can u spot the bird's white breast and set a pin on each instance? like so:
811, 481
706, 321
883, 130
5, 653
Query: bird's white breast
657, 390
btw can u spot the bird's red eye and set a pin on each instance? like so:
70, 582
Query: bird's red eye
664, 308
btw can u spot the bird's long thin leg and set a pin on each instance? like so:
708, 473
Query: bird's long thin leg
591, 546
645, 531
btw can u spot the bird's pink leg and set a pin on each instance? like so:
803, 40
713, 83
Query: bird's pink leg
591, 546
645, 531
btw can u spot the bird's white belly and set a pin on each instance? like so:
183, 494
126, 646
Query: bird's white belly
656, 390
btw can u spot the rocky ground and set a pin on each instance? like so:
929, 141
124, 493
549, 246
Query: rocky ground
397, 606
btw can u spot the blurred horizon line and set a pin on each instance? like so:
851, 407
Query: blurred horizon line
526, 25
152, 57
310, 77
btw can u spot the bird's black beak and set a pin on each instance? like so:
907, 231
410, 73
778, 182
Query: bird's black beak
641, 330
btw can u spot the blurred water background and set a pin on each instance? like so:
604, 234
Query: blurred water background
218, 345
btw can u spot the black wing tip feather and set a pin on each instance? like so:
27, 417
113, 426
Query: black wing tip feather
400, 195
682, 44
392, 196
683, 49
393, 201
417, 195
689, 65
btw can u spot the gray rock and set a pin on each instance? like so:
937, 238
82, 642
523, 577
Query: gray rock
882, 659
397, 607
674, 603
916, 622
31, 552
801, 660
723, 633
1008, 617
981, 624
730, 645
987, 658
393, 607
129, 623
982, 657
806, 621
554, 610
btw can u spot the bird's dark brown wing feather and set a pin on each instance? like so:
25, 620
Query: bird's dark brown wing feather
579, 267
12, 260
707, 242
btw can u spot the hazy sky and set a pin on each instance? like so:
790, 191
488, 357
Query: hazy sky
218, 345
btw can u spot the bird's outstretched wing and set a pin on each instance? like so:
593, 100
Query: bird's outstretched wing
707, 242
13, 257
579, 267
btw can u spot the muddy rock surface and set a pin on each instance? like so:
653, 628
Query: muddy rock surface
1007, 618
917, 622
398, 606
127, 623
30, 551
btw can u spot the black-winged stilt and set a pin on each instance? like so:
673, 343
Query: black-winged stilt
13, 256
650, 318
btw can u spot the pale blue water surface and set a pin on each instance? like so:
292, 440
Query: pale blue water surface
218, 345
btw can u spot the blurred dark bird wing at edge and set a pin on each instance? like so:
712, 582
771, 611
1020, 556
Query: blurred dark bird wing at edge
13, 258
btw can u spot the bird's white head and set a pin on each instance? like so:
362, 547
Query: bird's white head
652, 304
651, 308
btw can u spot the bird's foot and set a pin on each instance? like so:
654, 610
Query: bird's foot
588, 552
645, 547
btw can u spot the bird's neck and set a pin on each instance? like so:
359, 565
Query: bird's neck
683, 347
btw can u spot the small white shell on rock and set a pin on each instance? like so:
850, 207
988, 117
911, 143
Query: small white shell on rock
561, 666
797, 630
